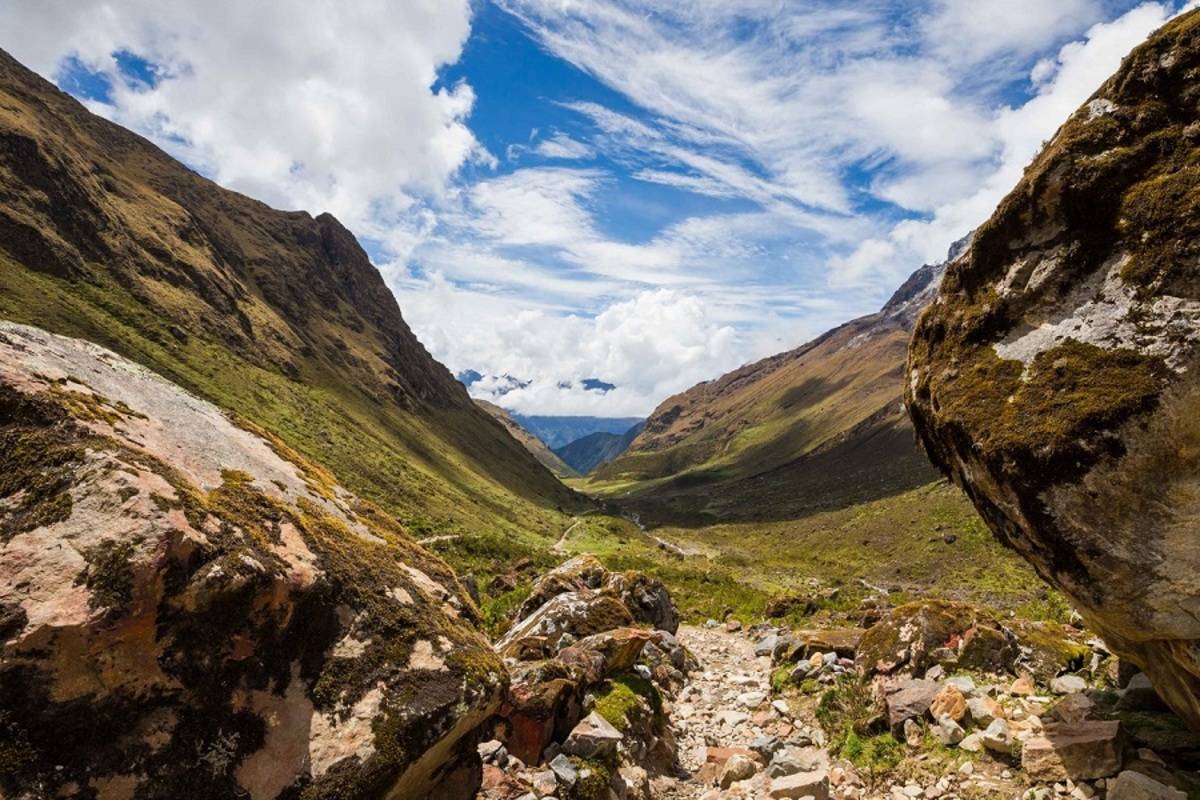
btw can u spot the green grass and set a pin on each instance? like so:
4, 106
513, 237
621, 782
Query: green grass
898, 543
408, 464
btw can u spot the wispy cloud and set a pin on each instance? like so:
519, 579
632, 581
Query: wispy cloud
738, 177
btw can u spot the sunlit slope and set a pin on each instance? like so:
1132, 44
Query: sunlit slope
821, 426
276, 316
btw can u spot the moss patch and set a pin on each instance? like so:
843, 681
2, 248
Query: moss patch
109, 575
621, 698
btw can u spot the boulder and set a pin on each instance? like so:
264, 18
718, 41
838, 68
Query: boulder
1073, 708
593, 737
1078, 751
187, 603
984, 709
603, 654
909, 700
949, 702
996, 737
543, 705
578, 574
842, 641
737, 768
814, 784
1131, 785
910, 639
646, 598
1068, 684
1054, 377
580, 614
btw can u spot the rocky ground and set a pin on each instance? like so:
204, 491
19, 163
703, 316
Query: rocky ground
928, 700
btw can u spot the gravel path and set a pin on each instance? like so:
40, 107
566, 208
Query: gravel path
727, 704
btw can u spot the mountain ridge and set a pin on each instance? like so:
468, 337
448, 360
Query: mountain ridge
277, 314
825, 416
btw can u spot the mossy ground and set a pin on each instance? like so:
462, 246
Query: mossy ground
622, 697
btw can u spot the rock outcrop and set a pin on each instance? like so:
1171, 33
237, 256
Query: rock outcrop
184, 602
588, 692
1055, 376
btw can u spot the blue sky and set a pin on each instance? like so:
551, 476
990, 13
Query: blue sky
649, 194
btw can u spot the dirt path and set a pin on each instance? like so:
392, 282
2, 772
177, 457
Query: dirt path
449, 537
560, 545
727, 704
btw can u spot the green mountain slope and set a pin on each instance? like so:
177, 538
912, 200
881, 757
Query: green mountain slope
821, 426
547, 457
277, 316
596, 449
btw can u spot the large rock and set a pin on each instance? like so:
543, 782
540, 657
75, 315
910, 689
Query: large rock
918, 635
576, 574
1131, 785
603, 654
579, 614
594, 737
1079, 751
645, 597
814, 784
543, 705
188, 607
909, 699
1055, 377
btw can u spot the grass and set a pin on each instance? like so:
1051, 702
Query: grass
620, 699
899, 543
408, 463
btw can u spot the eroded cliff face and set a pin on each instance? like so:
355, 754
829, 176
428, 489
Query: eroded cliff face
185, 602
1055, 376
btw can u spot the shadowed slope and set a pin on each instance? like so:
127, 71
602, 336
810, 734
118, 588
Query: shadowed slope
276, 315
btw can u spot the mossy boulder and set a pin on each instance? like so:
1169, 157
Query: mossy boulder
185, 606
914, 637
1055, 376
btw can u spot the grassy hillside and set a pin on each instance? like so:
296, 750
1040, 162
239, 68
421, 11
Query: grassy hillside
276, 316
545, 456
818, 427
926, 542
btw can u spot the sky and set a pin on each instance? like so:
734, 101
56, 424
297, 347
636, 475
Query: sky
640, 193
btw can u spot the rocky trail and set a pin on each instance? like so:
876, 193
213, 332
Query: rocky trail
613, 699
724, 718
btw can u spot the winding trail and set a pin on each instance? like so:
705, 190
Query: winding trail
560, 545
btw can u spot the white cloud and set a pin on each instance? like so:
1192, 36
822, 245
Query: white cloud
1063, 83
651, 345
976, 30
562, 146
309, 104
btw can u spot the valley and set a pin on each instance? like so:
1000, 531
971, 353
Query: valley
256, 541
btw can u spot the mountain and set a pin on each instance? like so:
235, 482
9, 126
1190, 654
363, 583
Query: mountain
278, 316
596, 449
547, 457
820, 426
560, 431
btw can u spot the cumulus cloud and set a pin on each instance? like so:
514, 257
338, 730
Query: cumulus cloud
649, 346
302, 103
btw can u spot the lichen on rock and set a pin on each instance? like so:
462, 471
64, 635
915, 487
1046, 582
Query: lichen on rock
185, 606
1054, 377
